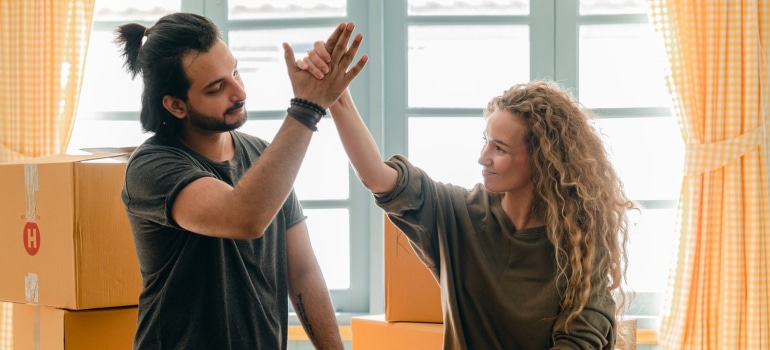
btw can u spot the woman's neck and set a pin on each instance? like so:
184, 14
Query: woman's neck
519, 209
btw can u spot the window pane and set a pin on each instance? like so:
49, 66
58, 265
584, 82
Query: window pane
648, 154
261, 63
260, 9
653, 233
622, 66
106, 85
465, 66
330, 235
467, 7
324, 173
447, 148
135, 10
608, 7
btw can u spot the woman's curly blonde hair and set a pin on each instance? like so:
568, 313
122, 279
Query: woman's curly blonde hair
576, 191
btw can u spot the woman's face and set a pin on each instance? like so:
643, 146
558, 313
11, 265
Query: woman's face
504, 157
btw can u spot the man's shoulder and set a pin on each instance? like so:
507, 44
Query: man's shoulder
156, 147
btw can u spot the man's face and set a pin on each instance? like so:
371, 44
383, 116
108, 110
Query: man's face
216, 98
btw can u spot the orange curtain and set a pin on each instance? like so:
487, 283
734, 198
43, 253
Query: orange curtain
719, 79
43, 45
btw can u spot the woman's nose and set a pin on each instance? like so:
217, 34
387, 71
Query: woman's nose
483, 157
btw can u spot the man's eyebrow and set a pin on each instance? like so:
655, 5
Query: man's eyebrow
215, 82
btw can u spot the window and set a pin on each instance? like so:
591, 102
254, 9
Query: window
433, 67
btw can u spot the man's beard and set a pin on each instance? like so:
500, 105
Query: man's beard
212, 123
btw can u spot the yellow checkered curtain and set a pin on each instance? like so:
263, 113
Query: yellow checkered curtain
43, 45
719, 79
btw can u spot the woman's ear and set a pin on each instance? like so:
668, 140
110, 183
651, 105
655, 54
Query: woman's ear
175, 106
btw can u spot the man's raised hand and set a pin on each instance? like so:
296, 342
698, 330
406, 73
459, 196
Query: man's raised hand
311, 83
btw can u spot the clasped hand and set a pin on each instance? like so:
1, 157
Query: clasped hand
324, 75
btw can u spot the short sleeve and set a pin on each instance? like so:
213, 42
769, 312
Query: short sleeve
154, 177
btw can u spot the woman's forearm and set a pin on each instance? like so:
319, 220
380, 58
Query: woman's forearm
360, 147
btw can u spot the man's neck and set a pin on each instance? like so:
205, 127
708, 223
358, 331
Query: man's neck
217, 146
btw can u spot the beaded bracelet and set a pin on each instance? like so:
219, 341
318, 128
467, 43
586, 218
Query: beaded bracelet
309, 104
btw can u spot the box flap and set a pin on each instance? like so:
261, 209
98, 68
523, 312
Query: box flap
68, 158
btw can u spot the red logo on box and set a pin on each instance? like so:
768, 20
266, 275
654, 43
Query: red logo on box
31, 238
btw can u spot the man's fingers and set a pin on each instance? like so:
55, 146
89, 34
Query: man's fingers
340, 48
353, 72
332, 40
353, 49
343, 62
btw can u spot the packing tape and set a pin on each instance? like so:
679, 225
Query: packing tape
36, 328
31, 294
31, 288
31, 280
31, 185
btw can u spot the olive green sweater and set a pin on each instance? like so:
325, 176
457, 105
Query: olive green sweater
498, 284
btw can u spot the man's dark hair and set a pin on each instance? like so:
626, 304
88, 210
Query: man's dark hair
159, 61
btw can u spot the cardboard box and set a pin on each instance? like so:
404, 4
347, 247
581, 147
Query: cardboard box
411, 292
43, 327
375, 333
65, 240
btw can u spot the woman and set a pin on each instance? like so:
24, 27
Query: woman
529, 259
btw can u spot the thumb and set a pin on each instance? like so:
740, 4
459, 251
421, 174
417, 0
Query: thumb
288, 56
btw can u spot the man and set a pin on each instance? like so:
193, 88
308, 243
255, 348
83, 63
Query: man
219, 233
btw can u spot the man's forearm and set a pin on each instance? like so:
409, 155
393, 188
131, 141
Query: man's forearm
316, 313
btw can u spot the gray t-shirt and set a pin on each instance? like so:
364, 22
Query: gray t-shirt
201, 292
498, 284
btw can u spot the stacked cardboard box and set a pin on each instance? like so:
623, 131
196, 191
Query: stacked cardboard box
411, 292
413, 315
66, 250
374, 332
30, 326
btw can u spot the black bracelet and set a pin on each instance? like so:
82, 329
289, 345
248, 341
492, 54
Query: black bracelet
308, 104
305, 115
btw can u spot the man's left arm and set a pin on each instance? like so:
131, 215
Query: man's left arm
308, 291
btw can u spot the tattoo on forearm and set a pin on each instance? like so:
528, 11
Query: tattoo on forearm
303, 315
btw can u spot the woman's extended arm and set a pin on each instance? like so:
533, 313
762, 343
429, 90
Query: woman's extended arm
360, 146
